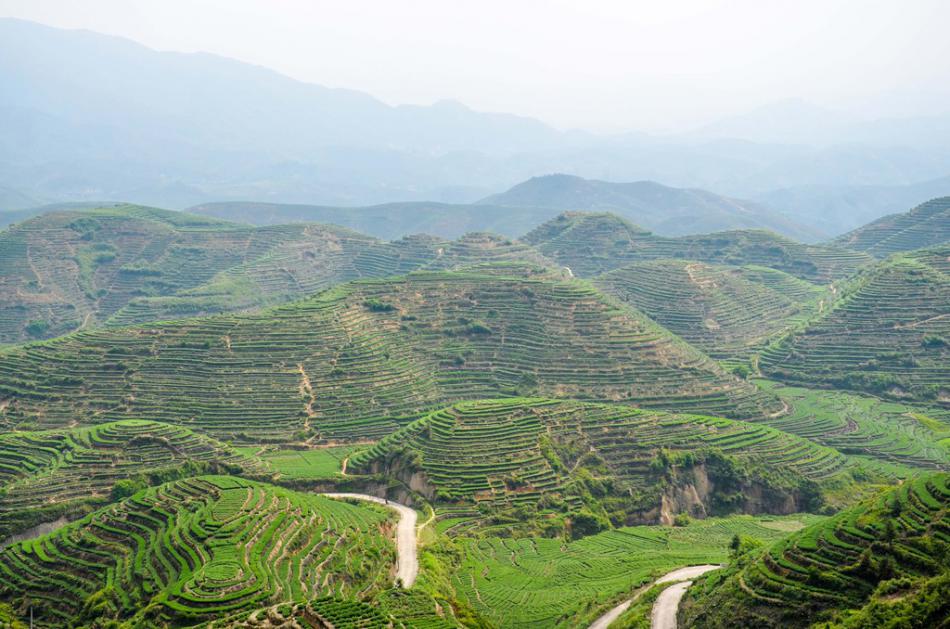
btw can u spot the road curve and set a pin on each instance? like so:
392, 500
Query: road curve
407, 562
689, 572
668, 602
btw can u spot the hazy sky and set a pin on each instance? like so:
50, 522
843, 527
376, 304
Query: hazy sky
595, 64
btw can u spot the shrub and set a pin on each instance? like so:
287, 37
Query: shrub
375, 305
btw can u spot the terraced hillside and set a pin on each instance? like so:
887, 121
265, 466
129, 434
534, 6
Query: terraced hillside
927, 225
71, 269
859, 425
393, 609
198, 549
359, 360
594, 243
889, 334
42, 474
517, 451
891, 547
325, 256
726, 311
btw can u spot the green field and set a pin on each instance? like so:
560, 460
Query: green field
570, 416
305, 464
727, 311
550, 583
926, 225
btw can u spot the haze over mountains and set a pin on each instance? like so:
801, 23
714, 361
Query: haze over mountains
95, 117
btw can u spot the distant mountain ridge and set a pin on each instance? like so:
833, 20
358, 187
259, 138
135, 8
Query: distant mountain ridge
836, 209
663, 209
90, 117
388, 221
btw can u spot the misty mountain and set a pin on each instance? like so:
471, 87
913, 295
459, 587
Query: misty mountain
90, 117
389, 221
665, 210
796, 121
838, 209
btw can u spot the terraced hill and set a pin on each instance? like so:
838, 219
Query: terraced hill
42, 474
362, 359
129, 265
927, 225
289, 271
195, 550
71, 269
883, 550
594, 243
515, 452
726, 311
889, 334
859, 425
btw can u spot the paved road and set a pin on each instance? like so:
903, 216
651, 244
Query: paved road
407, 562
688, 572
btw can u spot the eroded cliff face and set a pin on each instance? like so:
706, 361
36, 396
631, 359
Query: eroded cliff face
697, 492
409, 475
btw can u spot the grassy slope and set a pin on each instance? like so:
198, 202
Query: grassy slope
837, 564
889, 334
359, 360
592, 243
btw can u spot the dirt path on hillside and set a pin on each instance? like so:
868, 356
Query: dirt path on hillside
689, 572
407, 561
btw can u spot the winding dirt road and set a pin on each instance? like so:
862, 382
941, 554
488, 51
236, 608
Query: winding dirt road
407, 562
667, 603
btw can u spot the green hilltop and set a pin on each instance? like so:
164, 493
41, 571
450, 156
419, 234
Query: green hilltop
889, 334
359, 360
